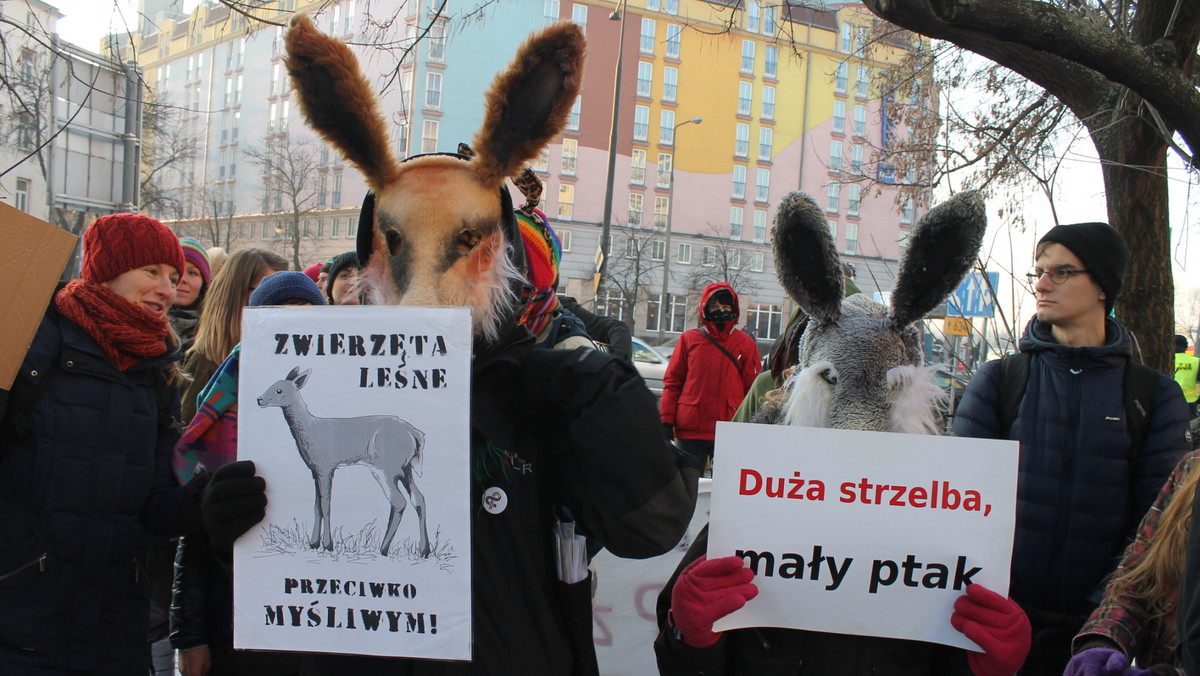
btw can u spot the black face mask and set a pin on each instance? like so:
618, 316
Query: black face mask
720, 316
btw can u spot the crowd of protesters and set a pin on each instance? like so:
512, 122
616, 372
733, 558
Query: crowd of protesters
126, 401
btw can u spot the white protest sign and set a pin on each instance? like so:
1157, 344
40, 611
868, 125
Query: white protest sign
358, 420
866, 533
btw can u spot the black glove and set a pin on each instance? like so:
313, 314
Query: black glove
669, 431
190, 504
234, 501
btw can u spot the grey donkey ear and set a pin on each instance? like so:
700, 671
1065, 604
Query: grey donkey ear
806, 259
943, 247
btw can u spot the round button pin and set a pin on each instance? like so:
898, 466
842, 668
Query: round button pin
495, 500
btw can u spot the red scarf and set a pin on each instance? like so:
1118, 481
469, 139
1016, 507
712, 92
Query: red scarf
127, 333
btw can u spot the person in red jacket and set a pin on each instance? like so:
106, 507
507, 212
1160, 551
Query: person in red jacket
710, 372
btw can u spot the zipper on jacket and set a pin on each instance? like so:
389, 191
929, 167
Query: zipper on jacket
40, 561
1066, 488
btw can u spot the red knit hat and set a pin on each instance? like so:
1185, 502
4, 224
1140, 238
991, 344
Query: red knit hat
118, 243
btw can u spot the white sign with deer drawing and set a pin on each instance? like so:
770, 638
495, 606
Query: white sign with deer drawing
358, 418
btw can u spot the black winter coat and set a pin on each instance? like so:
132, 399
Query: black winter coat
76, 500
771, 651
1078, 498
553, 428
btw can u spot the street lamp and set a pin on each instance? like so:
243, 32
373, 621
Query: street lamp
663, 304
617, 14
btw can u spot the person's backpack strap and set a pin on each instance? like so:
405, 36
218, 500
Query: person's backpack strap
1014, 376
1141, 385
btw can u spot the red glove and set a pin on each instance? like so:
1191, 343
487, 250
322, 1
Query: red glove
705, 592
996, 624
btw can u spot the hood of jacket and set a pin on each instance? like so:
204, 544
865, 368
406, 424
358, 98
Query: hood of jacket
706, 295
1117, 346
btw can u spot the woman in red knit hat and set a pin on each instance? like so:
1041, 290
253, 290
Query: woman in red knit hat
85, 460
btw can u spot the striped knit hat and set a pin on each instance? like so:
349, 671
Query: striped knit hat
195, 253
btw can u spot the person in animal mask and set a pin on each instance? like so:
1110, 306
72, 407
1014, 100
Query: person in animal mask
710, 371
1082, 485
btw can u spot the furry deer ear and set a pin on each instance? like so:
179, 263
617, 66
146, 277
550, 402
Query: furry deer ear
338, 101
942, 248
806, 259
530, 101
293, 373
302, 379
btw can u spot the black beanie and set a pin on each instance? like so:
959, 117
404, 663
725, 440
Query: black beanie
1102, 251
340, 262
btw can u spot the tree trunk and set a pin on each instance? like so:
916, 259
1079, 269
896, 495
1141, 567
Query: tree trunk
1134, 164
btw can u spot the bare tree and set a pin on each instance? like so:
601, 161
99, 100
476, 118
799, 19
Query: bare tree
167, 142
636, 269
1127, 73
723, 260
290, 182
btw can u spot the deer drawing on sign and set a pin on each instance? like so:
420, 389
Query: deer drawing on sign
388, 446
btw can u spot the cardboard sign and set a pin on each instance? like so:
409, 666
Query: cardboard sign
866, 533
35, 253
358, 420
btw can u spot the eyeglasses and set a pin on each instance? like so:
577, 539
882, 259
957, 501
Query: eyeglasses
1057, 275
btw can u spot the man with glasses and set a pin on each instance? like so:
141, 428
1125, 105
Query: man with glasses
1083, 483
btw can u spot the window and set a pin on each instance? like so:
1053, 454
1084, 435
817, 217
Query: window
237, 98
768, 21
752, 15
635, 209
832, 224
855, 199
840, 84
26, 131
666, 127
662, 211
766, 321
762, 186
573, 118
641, 123
683, 254
745, 92
756, 261
735, 222
856, 159
733, 259
658, 250
284, 115
637, 169
652, 5
564, 239
647, 42
771, 61
839, 117
768, 103
766, 138
429, 136
670, 83
549, 12
846, 43
351, 229
611, 303
542, 162
741, 146
760, 225
566, 201
747, 56
834, 198
433, 90
860, 121
906, 216
645, 80
266, 230
21, 199
665, 165
320, 227
860, 85
852, 238
710, 257
579, 15
671, 6
739, 182
336, 199
674, 36
631, 248
570, 150
349, 29
835, 156
335, 226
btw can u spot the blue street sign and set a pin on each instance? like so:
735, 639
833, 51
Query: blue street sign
973, 298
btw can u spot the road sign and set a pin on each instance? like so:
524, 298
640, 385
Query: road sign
956, 326
973, 297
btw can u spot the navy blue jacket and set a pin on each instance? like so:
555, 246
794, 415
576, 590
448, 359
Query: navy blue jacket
1078, 499
76, 499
